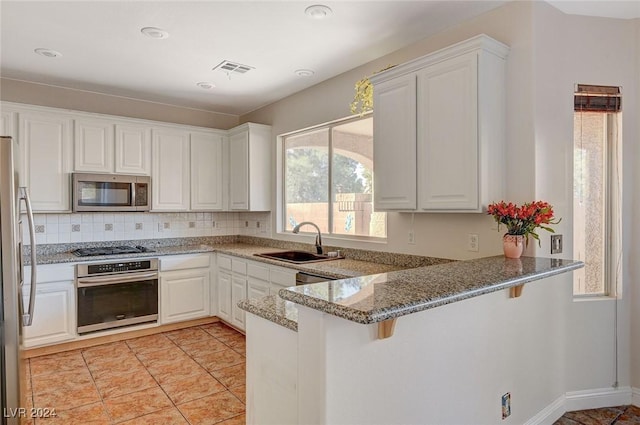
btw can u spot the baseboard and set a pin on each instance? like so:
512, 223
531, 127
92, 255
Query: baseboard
601, 397
587, 399
549, 414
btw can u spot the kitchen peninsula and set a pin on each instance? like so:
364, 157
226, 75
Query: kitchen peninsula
350, 362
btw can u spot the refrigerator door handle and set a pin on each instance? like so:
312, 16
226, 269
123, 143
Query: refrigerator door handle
27, 318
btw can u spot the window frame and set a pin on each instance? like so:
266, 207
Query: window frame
281, 189
612, 210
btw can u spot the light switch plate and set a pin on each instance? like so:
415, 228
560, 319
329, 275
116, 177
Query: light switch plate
556, 244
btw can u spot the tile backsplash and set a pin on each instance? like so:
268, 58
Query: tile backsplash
97, 227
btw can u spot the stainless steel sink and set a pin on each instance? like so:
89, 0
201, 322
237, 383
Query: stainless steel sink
297, 257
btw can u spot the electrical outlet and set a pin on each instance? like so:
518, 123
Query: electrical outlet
108, 227
556, 244
167, 225
246, 224
257, 224
39, 228
506, 405
412, 237
473, 242
192, 225
138, 226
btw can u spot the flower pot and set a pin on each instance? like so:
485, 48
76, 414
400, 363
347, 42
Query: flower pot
513, 245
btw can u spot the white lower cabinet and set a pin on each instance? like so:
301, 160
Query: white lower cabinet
239, 279
184, 287
238, 293
54, 315
224, 295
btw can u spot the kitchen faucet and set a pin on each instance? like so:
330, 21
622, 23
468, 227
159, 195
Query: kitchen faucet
318, 238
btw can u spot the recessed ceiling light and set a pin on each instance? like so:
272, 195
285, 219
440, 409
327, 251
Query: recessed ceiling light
48, 53
153, 32
318, 11
304, 72
205, 85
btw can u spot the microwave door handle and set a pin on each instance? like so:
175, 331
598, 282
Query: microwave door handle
27, 318
133, 194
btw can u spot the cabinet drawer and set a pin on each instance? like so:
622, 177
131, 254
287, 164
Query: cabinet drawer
239, 266
224, 262
283, 277
258, 270
180, 262
51, 273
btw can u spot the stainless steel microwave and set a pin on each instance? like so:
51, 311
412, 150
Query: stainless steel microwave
111, 192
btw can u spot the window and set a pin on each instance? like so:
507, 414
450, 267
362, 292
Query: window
597, 189
328, 179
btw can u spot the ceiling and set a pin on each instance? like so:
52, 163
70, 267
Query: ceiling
104, 51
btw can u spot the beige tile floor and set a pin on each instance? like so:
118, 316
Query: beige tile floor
190, 376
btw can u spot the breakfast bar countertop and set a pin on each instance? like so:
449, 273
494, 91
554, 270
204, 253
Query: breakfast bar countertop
380, 297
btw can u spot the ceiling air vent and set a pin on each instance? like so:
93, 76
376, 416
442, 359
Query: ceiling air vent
232, 68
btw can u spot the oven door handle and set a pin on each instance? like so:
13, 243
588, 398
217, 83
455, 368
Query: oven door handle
99, 281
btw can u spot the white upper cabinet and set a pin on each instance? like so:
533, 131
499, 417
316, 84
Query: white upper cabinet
191, 168
250, 168
448, 134
93, 145
108, 146
207, 182
170, 170
395, 144
133, 149
47, 156
455, 129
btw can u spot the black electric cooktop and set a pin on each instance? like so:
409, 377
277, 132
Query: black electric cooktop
110, 250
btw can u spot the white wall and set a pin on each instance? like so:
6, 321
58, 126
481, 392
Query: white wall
634, 250
81, 100
570, 50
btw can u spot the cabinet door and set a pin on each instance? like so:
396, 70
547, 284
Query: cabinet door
46, 148
224, 296
133, 149
257, 288
170, 170
394, 144
54, 317
184, 295
238, 293
93, 145
239, 171
448, 134
206, 171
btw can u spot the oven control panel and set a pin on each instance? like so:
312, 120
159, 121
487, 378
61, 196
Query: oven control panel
112, 267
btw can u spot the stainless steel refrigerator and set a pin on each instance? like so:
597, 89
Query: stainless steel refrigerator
16, 310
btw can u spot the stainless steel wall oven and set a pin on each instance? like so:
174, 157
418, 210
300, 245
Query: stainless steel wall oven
116, 293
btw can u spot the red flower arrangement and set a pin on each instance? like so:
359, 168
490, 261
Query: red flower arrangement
523, 220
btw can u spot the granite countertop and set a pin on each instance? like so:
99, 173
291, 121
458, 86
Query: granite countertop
376, 298
274, 309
